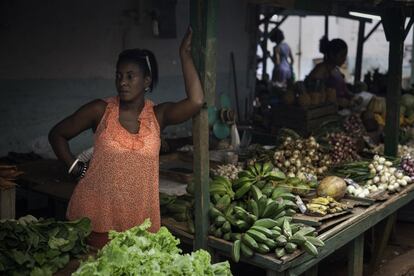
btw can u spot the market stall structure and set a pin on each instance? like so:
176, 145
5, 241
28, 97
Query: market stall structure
203, 19
393, 15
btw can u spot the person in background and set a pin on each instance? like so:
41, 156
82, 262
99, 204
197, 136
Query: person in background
118, 189
335, 52
282, 58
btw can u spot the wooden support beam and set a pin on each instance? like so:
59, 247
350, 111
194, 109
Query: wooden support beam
393, 22
8, 203
313, 271
382, 233
203, 18
360, 49
372, 30
356, 256
280, 22
327, 26
264, 49
407, 29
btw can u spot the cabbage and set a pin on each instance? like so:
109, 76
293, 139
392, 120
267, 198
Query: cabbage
139, 252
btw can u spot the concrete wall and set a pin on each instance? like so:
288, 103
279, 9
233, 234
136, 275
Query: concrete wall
57, 55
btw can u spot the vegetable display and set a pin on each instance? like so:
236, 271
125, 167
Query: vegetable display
353, 124
387, 176
139, 252
322, 206
228, 170
298, 156
180, 208
255, 212
407, 164
343, 148
332, 186
40, 247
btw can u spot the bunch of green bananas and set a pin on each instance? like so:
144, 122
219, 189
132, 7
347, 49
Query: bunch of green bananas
221, 221
258, 175
298, 186
294, 236
221, 186
179, 208
266, 235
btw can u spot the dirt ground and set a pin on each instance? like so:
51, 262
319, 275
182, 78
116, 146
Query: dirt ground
399, 257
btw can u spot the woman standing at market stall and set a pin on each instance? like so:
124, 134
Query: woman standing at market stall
282, 58
328, 72
118, 189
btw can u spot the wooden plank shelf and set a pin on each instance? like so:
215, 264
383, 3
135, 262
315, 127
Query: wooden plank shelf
336, 234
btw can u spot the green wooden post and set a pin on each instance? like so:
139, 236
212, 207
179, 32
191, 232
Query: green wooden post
393, 22
203, 18
356, 256
313, 271
360, 49
382, 234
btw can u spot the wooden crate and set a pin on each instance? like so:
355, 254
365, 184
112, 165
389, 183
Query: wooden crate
303, 121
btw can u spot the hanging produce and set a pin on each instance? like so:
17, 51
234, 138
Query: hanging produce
298, 156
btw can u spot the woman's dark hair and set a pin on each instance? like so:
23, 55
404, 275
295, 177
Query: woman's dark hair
276, 35
332, 47
141, 57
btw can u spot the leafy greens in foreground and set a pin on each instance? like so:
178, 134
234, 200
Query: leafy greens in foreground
139, 252
40, 247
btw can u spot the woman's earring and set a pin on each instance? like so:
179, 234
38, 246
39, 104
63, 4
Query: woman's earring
147, 89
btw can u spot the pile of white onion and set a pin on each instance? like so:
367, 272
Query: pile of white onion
387, 177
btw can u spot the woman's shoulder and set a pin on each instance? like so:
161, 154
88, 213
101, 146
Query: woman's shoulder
318, 72
95, 108
98, 104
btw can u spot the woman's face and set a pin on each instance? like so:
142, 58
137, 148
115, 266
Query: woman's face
340, 57
130, 81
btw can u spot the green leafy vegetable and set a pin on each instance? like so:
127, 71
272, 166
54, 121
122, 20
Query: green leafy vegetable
40, 247
139, 252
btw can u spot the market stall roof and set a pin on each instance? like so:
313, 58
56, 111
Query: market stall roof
340, 7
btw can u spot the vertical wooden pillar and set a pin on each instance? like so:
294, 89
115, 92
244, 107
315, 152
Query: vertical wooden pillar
327, 26
356, 256
393, 22
360, 49
264, 47
203, 18
412, 61
8, 203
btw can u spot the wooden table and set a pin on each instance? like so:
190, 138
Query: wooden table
350, 232
50, 177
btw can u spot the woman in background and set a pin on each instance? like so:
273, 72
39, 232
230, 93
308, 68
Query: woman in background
282, 58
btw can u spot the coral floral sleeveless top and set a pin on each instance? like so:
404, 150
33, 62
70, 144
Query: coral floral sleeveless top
120, 188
